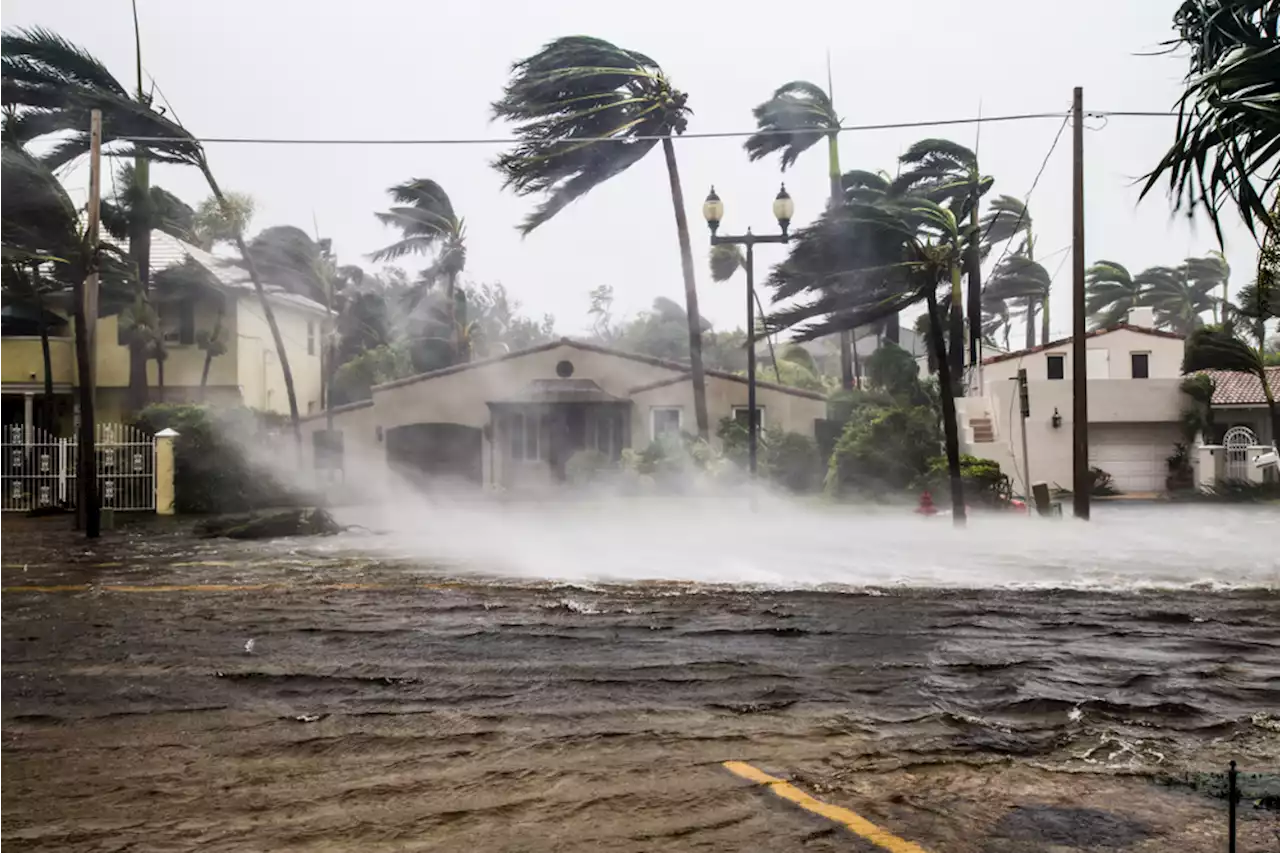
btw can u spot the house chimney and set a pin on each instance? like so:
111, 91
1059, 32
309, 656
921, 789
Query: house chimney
1143, 318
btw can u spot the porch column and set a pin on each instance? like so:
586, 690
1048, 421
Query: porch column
1206, 467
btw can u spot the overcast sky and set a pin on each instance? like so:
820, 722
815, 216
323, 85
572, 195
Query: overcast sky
399, 69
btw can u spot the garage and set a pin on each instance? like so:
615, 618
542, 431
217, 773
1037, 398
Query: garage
1133, 454
435, 452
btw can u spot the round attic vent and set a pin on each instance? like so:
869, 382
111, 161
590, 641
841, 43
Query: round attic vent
564, 369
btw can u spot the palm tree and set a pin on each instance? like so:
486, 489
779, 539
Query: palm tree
947, 173
1212, 271
1110, 293
1005, 219
864, 261
429, 225
52, 86
39, 224
23, 285
1178, 301
578, 89
797, 115
1227, 141
1216, 348
1022, 281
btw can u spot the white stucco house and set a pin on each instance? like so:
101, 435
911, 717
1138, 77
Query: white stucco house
515, 420
1135, 406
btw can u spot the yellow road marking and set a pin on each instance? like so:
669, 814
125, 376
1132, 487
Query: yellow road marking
852, 821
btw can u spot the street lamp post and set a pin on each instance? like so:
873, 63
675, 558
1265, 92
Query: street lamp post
713, 212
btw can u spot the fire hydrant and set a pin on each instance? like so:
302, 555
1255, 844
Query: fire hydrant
926, 507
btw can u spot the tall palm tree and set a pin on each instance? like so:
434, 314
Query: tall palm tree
1226, 144
947, 173
796, 116
1020, 280
51, 86
1179, 302
1006, 219
24, 286
1214, 272
429, 225
578, 89
1111, 292
866, 260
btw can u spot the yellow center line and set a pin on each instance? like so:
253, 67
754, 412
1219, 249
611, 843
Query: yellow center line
852, 821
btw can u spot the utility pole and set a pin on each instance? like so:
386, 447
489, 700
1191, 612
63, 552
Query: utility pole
1024, 406
86, 351
1080, 484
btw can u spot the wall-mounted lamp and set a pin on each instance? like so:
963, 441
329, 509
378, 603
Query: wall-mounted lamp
1056, 420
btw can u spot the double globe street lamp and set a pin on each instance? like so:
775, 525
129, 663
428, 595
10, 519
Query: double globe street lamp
713, 212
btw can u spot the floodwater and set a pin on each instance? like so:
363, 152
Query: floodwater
570, 676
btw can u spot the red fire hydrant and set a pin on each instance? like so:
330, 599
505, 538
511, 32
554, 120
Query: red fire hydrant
926, 507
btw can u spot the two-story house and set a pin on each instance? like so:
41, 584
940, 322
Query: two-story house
219, 297
1135, 405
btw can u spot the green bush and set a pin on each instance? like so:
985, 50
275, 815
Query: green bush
587, 466
984, 483
883, 450
791, 460
212, 474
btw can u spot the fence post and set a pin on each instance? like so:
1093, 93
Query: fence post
1232, 796
165, 492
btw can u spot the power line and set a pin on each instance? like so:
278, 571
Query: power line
728, 134
1034, 183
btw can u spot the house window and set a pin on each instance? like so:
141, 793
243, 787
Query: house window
530, 437
742, 414
1141, 364
311, 338
1057, 366
665, 421
178, 322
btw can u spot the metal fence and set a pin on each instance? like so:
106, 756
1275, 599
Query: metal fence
39, 470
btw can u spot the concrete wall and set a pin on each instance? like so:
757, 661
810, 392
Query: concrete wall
788, 411
258, 371
1111, 350
1111, 401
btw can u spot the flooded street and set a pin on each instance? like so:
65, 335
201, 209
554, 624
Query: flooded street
165, 693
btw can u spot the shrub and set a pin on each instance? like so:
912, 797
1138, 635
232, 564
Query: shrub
883, 449
791, 460
212, 473
1101, 484
984, 482
587, 466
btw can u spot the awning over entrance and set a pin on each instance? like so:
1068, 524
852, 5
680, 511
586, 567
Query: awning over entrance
553, 391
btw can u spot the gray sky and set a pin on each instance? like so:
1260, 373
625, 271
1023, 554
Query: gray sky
386, 69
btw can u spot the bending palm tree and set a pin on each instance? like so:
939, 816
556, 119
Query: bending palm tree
864, 261
429, 226
51, 87
1020, 280
797, 115
1212, 271
578, 89
1111, 293
947, 173
1178, 301
1005, 219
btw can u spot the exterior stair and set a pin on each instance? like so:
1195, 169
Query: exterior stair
983, 430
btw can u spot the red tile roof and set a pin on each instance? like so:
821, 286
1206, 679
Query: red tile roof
1142, 330
1231, 388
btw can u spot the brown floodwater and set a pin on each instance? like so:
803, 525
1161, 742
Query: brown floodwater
162, 692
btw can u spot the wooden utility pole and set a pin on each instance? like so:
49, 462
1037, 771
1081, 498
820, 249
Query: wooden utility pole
1080, 481
86, 350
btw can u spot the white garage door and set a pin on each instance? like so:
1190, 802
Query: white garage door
1134, 454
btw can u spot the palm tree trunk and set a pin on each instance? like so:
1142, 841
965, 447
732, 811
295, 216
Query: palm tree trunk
86, 467
160, 356
1031, 324
956, 353
45, 356
140, 253
975, 284
451, 288
848, 368
213, 340
267, 313
690, 292
1044, 319
773, 355
950, 430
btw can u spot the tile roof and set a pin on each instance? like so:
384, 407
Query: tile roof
1142, 330
1232, 388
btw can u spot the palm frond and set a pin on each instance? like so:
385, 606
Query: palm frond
575, 90
797, 115
725, 261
